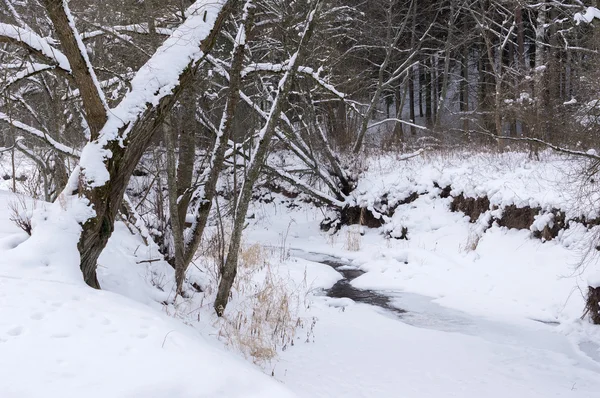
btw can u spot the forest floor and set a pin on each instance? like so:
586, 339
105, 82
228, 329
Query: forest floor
480, 313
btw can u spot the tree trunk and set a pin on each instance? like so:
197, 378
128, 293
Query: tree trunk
411, 100
185, 169
464, 89
229, 271
539, 74
428, 97
209, 190
176, 226
106, 199
421, 87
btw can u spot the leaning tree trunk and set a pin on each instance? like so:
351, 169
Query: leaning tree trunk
128, 142
229, 269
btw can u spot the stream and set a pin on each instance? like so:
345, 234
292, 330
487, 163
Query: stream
422, 312
344, 289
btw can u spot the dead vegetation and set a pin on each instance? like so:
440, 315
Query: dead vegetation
21, 213
264, 315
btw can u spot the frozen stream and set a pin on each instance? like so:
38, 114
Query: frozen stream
422, 312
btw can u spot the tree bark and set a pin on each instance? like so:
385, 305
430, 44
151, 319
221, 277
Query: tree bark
428, 97
106, 199
176, 226
411, 100
446, 72
93, 102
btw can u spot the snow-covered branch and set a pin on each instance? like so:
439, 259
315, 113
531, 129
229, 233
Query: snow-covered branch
297, 182
302, 70
35, 44
32, 131
30, 70
392, 119
588, 16
141, 28
160, 77
591, 154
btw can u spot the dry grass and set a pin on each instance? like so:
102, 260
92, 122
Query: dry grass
265, 321
263, 316
353, 238
473, 239
354, 233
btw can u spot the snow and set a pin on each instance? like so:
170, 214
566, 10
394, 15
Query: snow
36, 42
155, 79
59, 338
491, 312
474, 325
359, 352
541, 221
588, 16
506, 179
510, 273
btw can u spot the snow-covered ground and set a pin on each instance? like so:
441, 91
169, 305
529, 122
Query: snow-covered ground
59, 338
495, 318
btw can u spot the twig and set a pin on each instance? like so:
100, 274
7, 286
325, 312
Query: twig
165, 340
148, 261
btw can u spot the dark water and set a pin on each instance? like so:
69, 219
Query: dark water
344, 289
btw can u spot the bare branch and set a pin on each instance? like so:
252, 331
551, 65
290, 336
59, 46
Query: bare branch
96, 108
32, 131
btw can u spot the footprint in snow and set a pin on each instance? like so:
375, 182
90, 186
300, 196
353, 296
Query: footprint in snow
37, 316
15, 331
